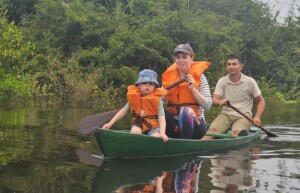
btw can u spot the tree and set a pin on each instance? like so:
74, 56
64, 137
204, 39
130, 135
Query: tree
15, 51
18, 9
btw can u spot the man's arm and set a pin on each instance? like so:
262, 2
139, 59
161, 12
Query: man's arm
217, 99
259, 109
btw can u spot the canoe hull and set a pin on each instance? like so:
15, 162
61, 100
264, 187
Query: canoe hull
122, 144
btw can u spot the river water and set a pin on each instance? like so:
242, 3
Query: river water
41, 152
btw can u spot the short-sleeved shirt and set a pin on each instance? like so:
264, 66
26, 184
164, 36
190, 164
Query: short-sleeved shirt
239, 94
161, 111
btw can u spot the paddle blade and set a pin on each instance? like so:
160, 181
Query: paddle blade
87, 158
269, 134
87, 125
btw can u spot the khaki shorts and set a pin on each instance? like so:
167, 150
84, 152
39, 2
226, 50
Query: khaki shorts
223, 123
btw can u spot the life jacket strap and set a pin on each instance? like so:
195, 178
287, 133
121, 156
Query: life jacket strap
140, 120
178, 106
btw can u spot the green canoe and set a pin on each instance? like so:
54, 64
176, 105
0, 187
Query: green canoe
122, 144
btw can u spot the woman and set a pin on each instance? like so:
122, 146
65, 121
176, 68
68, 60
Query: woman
186, 103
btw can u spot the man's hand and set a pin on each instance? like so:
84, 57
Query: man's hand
256, 121
223, 102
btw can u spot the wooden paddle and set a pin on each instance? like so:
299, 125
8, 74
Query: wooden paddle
87, 125
269, 134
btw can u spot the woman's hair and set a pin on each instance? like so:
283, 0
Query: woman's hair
191, 54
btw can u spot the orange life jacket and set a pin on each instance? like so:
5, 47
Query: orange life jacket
142, 188
144, 110
181, 95
149, 188
168, 183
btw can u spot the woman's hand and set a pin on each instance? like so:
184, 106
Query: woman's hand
191, 81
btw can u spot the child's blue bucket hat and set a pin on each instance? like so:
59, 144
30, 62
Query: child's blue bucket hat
147, 76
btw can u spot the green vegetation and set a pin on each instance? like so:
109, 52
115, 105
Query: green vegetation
79, 51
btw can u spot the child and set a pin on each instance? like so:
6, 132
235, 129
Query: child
145, 105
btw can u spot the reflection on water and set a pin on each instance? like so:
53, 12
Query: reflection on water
278, 169
233, 171
85, 157
182, 180
226, 172
41, 152
133, 174
269, 166
278, 175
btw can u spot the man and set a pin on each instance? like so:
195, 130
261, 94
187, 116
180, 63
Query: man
240, 90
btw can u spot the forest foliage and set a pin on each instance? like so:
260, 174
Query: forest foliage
90, 50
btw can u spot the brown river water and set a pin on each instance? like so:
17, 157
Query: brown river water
41, 152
